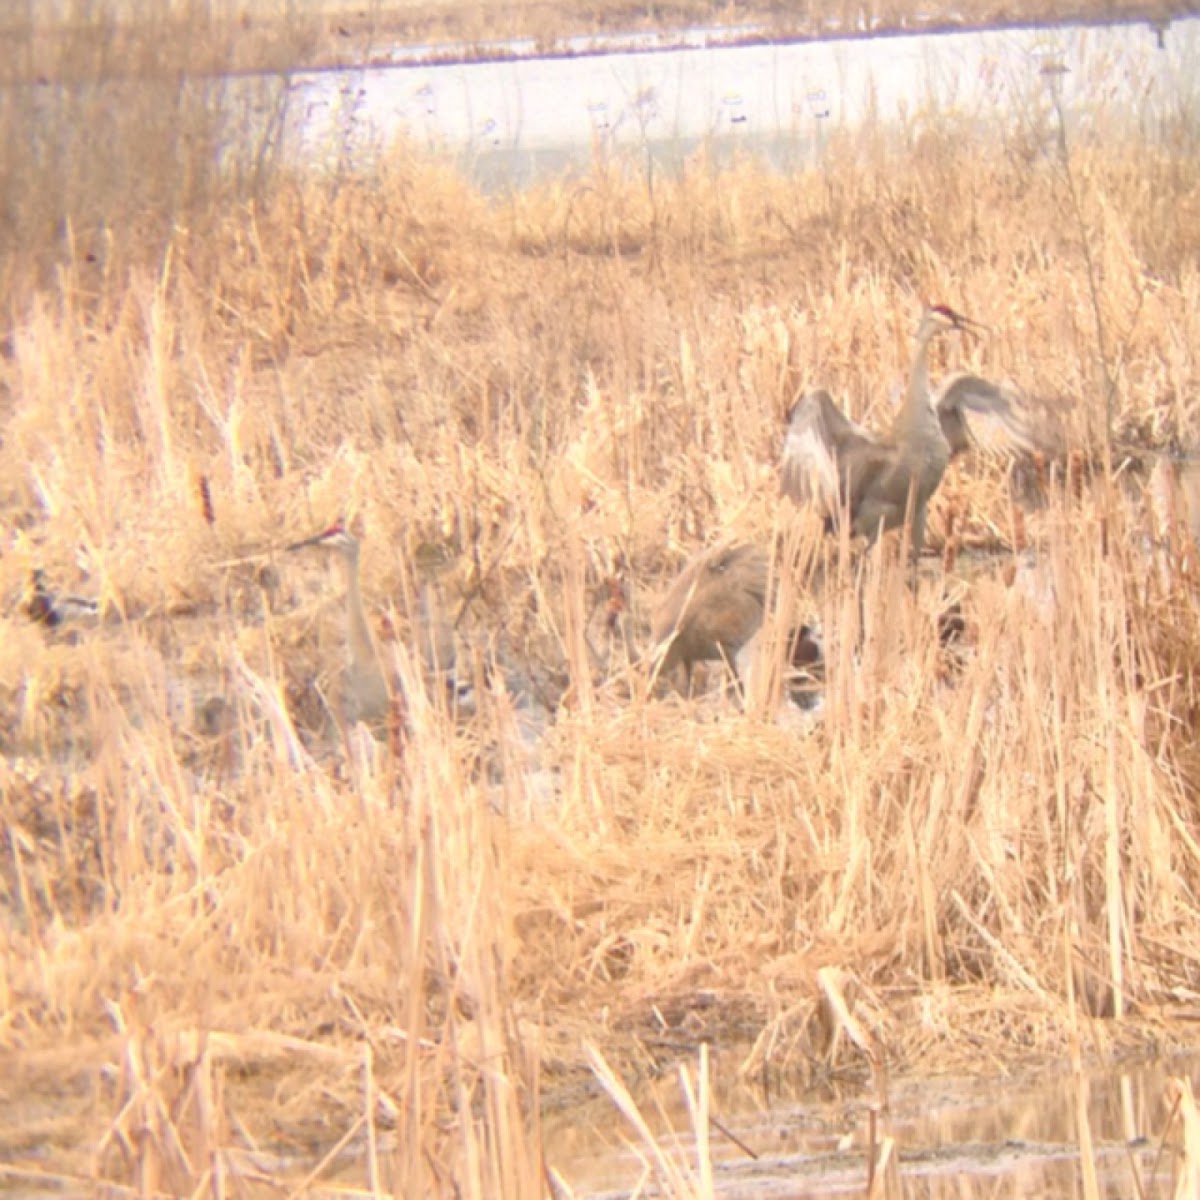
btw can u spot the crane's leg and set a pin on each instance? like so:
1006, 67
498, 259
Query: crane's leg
918, 538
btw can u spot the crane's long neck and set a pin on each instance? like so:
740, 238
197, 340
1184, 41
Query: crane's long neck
917, 417
360, 643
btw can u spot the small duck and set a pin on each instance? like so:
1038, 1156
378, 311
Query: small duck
56, 608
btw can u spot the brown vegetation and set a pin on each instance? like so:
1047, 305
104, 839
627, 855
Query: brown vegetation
225, 928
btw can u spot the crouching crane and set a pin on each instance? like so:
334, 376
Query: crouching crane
715, 608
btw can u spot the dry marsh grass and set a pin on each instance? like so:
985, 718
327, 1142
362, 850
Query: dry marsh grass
238, 944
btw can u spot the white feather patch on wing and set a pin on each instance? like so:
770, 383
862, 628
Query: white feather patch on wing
992, 416
808, 470
809, 464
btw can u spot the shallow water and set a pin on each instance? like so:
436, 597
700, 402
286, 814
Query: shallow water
997, 1136
1008, 1136
507, 121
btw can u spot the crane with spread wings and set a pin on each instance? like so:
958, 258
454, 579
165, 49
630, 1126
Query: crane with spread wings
878, 480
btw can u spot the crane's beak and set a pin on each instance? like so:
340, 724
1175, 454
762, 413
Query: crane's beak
956, 320
336, 530
967, 325
315, 540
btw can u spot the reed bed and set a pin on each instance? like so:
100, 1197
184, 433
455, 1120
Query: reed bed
241, 945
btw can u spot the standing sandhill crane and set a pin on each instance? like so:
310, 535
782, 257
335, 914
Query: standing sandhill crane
365, 694
876, 480
715, 608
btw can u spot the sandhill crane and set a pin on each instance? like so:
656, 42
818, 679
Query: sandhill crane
877, 480
715, 608
365, 689
365, 693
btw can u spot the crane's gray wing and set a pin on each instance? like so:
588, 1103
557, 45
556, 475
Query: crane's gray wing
818, 437
978, 414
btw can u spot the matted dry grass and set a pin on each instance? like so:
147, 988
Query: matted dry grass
228, 945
